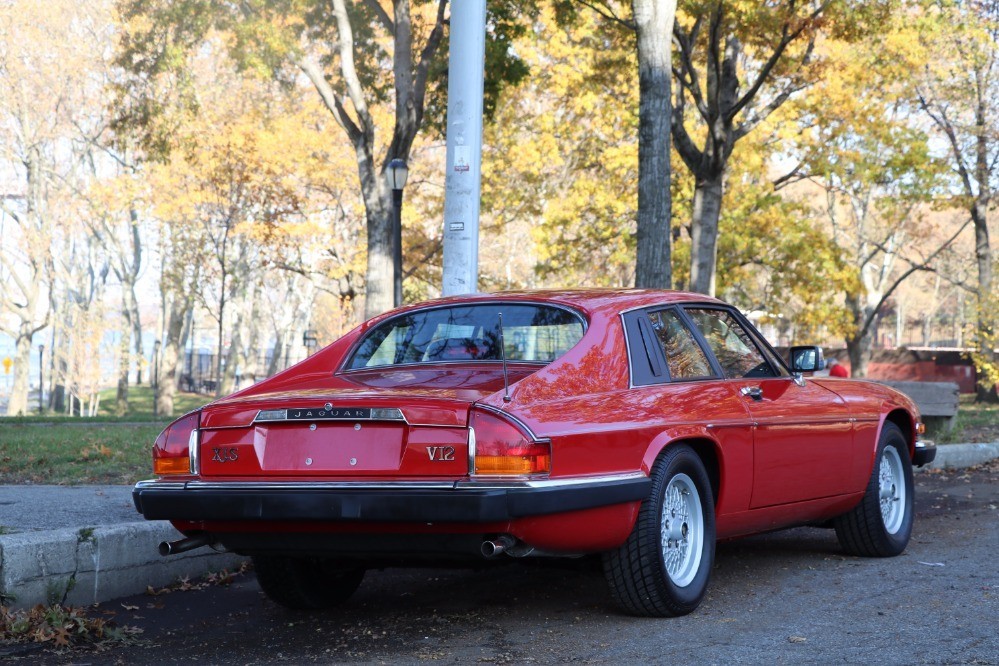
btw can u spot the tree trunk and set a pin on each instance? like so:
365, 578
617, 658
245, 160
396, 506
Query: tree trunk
380, 286
986, 300
125, 350
140, 354
235, 355
18, 403
859, 349
276, 355
704, 233
249, 359
654, 25
170, 355
859, 345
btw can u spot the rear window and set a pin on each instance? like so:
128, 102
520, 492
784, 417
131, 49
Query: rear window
531, 333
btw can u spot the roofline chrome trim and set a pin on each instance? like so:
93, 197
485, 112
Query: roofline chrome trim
464, 484
663, 306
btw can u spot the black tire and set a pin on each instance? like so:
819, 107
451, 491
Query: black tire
640, 580
305, 583
873, 528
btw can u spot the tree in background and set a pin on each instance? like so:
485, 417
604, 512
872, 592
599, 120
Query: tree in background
958, 89
738, 62
861, 143
651, 22
342, 48
112, 218
46, 65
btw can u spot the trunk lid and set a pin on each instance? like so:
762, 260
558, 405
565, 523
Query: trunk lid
362, 434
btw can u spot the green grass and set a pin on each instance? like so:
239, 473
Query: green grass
107, 448
70, 454
140, 409
975, 422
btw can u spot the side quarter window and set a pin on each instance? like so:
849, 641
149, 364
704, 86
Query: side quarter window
731, 344
647, 364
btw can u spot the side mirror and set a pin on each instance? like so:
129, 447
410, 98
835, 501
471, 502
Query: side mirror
807, 359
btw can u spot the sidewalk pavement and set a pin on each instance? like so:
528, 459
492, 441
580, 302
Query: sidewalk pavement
81, 545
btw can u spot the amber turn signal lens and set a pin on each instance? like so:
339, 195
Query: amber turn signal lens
180, 465
920, 428
526, 464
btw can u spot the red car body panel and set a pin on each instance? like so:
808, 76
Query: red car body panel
799, 454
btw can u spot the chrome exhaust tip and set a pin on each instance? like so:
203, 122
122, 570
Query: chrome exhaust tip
497, 546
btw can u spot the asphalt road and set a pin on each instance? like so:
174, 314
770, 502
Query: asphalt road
787, 597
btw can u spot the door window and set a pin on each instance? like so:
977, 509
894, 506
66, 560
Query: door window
731, 344
685, 358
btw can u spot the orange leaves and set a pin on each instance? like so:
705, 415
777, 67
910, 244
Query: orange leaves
96, 451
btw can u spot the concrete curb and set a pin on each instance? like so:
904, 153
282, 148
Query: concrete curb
963, 455
84, 566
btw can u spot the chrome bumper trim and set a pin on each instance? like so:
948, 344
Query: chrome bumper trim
490, 484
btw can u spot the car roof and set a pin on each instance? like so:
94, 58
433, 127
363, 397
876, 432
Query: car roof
591, 301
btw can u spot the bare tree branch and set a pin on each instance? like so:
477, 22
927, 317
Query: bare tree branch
382, 15
787, 36
608, 14
922, 266
329, 97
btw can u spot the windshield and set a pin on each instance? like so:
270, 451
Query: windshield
531, 333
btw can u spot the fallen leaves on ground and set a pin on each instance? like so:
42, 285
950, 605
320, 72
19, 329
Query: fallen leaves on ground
61, 627
221, 578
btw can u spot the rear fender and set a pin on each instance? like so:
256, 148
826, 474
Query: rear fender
700, 439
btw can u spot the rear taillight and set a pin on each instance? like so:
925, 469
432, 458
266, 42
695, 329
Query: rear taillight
503, 448
176, 449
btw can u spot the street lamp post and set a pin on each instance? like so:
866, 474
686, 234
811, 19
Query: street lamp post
41, 378
310, 341
396, 174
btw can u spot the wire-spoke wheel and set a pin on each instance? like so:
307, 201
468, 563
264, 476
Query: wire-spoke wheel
891, 484
663, 568
880, 526
682, 530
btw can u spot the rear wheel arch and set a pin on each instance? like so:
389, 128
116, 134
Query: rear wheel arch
705, 448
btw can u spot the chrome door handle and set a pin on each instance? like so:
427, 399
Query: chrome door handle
754, 392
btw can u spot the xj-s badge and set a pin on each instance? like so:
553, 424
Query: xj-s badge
441, 453
225, 455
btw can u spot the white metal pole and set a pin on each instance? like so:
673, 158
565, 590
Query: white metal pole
462, 182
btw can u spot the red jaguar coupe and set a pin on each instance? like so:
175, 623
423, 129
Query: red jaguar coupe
640, 425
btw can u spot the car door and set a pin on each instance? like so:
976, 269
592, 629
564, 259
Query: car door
802, 435
671, 370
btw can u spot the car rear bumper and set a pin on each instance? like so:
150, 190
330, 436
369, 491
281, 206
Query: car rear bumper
924, 453
463, 501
